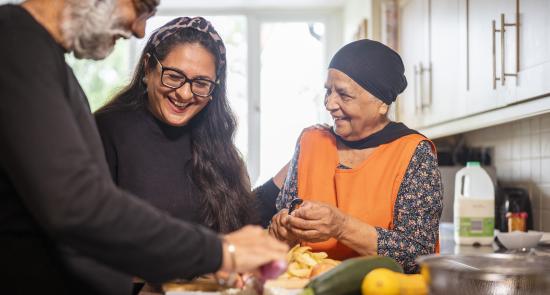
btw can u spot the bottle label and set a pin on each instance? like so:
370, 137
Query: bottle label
476, 218
477, 227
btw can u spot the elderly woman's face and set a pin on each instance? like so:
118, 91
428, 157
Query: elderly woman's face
356, 112
177, 107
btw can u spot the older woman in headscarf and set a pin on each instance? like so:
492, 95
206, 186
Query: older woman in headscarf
370, 186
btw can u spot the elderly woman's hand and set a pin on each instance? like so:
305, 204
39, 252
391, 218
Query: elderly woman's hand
279, 230
316, 222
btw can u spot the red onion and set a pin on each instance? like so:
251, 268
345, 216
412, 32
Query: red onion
273, 269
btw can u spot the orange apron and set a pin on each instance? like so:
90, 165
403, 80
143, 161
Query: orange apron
366, 192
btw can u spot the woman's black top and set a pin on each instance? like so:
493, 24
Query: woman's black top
152, 160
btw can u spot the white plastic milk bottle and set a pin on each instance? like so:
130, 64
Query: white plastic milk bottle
474, 206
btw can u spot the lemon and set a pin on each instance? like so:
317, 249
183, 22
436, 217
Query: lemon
380, 281
412, 284
425, 272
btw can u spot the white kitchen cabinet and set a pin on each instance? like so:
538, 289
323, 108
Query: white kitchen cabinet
485, 61
534, 50
444, 102
465, 58
429, 46
505, 66
414, 44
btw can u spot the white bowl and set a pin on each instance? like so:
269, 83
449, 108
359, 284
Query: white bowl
519, 239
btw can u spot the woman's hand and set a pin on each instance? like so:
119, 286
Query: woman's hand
316, 222
278, 228
253, 247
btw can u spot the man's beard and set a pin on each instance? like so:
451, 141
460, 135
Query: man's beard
90, 28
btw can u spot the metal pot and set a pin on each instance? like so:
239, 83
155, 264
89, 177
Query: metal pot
486, 274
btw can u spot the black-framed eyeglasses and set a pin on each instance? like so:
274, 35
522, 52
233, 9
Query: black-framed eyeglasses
174, 79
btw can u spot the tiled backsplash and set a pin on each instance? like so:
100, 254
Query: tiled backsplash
522, 158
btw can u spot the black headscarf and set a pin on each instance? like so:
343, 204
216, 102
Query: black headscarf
380, 71
374, 66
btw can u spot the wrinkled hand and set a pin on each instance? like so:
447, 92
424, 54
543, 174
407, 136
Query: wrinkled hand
316, 222
253, 248
278, 228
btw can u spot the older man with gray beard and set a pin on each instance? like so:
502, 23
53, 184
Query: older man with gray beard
65, 228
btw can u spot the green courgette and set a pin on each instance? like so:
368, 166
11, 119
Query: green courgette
346, 278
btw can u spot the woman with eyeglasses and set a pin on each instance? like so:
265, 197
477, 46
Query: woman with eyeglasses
168, 135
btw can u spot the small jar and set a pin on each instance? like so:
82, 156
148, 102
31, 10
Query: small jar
517, 221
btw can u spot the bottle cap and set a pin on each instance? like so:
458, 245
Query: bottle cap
523, 215
473, 164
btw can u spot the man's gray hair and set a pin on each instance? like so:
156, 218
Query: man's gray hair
90, 26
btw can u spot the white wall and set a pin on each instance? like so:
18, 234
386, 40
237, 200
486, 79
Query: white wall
353, 14
522, 158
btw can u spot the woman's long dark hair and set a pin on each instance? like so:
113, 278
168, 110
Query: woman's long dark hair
217, 167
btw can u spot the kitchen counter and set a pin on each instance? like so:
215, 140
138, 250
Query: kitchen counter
448, 245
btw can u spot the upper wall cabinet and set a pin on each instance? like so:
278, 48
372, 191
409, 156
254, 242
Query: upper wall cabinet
534, 50
469, 57
445, 102
507, 52
484, 55
414, 38
429, 46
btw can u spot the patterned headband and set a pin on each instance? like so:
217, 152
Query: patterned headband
197, 23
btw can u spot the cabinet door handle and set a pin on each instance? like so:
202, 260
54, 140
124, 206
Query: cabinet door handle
503, 25
421, 80
423, 96
517, 24
429, 70
416, 90
502, 31
495, 78
502, 52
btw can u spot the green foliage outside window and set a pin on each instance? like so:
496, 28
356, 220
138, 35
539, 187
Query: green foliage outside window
103, 79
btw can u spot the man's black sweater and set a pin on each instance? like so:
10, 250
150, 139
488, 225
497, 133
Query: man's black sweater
65, 228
